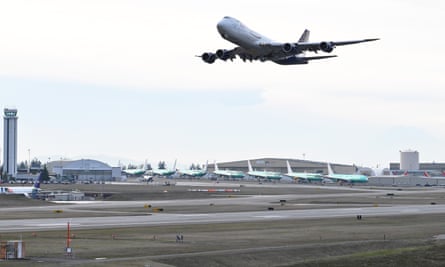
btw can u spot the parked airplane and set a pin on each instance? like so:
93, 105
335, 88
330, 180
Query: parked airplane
263, 174
346, 178
193, 173
310, 177
135, 172
27, 191
254, 46
228, 173
164, 172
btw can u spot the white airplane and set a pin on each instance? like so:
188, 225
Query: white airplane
254, 46
27, 191
228, 173
345, 178
262, 174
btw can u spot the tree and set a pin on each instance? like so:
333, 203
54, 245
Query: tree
161, 165
35, 163
44, 175
22, 166
131, 166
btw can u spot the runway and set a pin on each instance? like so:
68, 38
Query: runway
157, 219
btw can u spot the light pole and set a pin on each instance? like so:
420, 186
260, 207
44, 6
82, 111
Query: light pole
29, 160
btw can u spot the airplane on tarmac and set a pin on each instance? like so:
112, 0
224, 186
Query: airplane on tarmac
310, 177
27, 191
135, 172
228, 173
193, 173
263, 174
254, 46
164, 172
346, 178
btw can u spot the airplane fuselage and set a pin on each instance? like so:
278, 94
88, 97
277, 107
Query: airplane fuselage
234, 31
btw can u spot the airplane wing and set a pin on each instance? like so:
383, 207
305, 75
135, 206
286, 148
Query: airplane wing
281, 53
323, 46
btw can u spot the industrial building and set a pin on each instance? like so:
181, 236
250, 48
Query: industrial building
410, 163
10, 142
83, 170
279, 165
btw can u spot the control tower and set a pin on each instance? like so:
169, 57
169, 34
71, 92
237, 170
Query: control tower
10, 142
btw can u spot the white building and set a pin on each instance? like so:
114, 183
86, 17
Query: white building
409, 160
84, 170
10, 142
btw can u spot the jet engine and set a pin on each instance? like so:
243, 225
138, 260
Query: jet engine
288, 47
208, 57
222, 54
327, 47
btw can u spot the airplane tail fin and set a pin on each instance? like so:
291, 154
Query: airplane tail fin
216, 167
207, 163
330, 171
289, 169
174, 165
39, 179
304, 36
249, 165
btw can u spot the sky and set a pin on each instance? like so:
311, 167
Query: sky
118, 81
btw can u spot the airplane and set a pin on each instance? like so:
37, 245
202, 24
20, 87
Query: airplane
228, 173
310, 177
27, 191
346, 178
164, 172
254, 46
263, 174
193, 173
135, 172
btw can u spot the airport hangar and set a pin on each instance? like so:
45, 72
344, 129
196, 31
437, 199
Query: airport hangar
279, 165
83, 170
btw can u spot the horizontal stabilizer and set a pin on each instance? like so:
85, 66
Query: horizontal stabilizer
317, 57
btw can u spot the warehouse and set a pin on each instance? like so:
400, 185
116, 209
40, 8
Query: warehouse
84, 170
279, 165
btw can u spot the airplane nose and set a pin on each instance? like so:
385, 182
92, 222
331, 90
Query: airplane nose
221, 25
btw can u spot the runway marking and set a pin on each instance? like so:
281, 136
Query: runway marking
269, 216
54, 224
193, 215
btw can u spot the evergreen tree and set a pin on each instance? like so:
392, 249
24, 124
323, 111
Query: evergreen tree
44, 175
161, 165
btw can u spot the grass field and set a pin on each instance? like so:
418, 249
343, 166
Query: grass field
373, 241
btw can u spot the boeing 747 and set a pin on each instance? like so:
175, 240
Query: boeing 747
254, 46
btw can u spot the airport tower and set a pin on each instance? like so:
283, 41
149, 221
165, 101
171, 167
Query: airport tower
10, 142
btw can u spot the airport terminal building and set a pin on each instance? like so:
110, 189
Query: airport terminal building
84, 170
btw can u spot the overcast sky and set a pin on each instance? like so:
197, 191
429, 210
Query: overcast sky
119, 81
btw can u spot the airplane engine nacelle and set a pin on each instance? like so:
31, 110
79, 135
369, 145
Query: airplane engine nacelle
208, 57
327, 47
288, 47
222, 54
